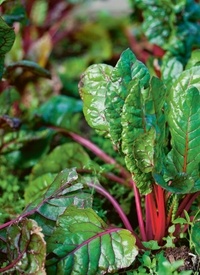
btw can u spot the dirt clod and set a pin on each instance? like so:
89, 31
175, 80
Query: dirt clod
191, 261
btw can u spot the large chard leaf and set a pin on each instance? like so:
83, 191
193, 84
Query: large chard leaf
25, 248
93, 89
184, 125
83, 244
143, 130
7, 38
126, 72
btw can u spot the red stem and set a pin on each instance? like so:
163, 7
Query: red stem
139, 212
150, 202
95, 149
118, 209
186, 203
161, 219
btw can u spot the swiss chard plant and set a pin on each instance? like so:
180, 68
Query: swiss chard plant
148, 130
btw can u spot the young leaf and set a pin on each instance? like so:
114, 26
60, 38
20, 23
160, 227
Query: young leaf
184, 120
26, 248
7, 38
82, 243
126, 72
93, 88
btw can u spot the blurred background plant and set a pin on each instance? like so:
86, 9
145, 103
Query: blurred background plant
53, 43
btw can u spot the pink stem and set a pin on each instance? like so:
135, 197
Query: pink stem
139, 212
118, 209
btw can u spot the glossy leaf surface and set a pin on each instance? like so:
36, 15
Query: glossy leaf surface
125, 74
82, 243
93, 89
184, 120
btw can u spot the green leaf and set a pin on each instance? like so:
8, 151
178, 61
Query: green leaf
37, 187
171, 69
195, 234
25, 150
194, 59
183, 119
63, 109
125, 74
26, 248
7, 38
82, 243
65, 190
66, 155
93, 88
143, 130
152, 245
155, 25
29, 66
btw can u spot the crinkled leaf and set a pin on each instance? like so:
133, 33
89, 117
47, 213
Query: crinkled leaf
82, 243
143, 130
126, 72
7, 38
155, 25
26, 248
93, 88
63, 109
66, 155
184, 120
29, 66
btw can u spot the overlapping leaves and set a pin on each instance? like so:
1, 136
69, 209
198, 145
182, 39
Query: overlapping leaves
133, 114
136, 114
77, 239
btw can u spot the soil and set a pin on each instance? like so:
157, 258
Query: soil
191, 261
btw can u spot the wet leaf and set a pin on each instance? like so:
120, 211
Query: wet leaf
82, 243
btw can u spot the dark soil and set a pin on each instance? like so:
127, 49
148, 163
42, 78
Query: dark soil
191, 261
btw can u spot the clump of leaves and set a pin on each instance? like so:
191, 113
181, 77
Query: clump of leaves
59, 231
